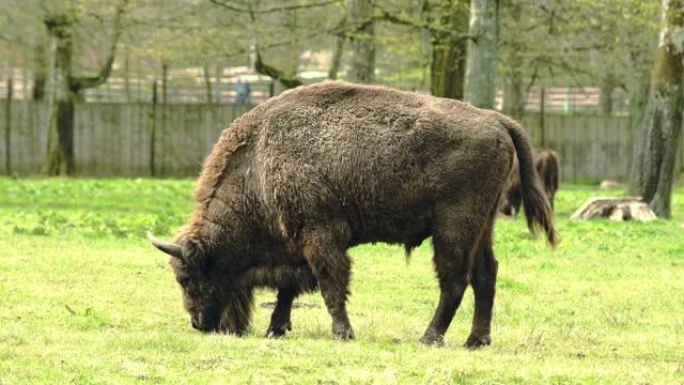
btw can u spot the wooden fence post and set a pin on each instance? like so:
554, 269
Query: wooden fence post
542, 106
153, 128
165, 79
8, 125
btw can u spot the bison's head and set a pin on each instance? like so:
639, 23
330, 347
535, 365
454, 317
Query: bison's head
203, 292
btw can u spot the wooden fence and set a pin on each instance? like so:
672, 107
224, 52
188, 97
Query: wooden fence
115, 139
591, 147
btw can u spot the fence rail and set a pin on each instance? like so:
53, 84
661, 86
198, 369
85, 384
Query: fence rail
116, 139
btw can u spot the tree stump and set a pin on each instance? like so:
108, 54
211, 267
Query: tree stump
609, 184
615, 209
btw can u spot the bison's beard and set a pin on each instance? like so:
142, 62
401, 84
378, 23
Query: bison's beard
237, 312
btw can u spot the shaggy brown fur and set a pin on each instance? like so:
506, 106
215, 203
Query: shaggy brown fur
291, 185
547, 166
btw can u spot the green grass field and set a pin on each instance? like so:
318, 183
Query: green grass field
85, 300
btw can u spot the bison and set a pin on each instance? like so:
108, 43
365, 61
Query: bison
298, 180
548, 169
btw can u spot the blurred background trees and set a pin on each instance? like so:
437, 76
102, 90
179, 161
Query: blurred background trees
421, 45
514, 55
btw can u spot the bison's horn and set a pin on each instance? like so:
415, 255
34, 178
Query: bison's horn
171, 249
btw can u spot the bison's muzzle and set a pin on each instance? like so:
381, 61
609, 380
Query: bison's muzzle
205, 322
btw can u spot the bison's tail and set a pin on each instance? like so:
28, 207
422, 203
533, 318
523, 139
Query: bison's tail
537, 207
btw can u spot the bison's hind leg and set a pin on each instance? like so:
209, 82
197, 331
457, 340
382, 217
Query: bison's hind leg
483, 281
458, 228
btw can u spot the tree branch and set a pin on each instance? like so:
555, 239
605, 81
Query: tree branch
571, 70
383, 15
268, 70
83, 82
533, 79
283, 8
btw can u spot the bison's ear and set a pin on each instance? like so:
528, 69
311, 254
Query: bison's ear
171, 249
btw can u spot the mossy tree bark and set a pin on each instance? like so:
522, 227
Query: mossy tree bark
653, 168
639, 92
514, 87
448, 61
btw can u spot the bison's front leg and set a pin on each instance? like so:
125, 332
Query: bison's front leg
332, 267
238, 312
280, 319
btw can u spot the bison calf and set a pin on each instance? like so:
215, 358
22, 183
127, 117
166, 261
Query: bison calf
547, 165
298, 180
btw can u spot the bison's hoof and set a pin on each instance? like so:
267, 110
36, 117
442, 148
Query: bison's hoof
343, 333
476, 342
278, 331
432, 338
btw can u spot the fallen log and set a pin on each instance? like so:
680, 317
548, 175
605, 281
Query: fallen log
615, 209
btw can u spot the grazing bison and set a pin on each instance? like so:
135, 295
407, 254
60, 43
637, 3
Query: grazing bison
548, 169
294, 183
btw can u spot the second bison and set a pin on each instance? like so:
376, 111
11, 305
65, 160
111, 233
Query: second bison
294, 183
547, 164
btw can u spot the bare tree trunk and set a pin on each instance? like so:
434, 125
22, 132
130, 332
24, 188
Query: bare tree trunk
207, 83
139, 76
39, 71
59, 159
360, 14
514, 94
24, 81
8, 126
291, 63
218, 88
127, 76
480, 78
607, 84
653, 169
639, 91
426, 40
164, 81
336, 61
448, 62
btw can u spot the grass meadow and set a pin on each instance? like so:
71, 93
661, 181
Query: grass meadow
85, 300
